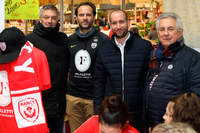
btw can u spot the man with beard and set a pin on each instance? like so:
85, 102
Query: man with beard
84, 44
46, 36
123, 62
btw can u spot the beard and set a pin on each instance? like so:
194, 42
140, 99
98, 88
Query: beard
89, 25
121, 36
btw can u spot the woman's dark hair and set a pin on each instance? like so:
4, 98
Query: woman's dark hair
187, 109
86, 4
113, 111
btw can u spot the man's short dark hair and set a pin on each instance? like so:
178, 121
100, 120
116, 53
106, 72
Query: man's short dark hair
86, 4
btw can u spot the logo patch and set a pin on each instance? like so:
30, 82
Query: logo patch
5, 99
170, 66
72, 46
3, 46
82, 60
95, 39
29, 109
93, 45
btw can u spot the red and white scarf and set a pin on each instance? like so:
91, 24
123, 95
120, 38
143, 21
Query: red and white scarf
20, 91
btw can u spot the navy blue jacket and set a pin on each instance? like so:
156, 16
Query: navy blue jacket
177, 74
109, 68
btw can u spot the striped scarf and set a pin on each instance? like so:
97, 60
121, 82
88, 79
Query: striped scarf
162, 53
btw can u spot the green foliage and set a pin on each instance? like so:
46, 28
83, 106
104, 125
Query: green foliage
141, 27
144, 30
143, 33
149, 25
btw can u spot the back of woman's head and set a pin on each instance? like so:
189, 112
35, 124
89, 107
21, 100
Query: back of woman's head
187, 109
174, 127
113, 111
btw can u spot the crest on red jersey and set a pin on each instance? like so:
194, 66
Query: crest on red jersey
29, 109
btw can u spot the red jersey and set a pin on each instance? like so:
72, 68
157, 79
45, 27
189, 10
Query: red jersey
21, 82
92, 126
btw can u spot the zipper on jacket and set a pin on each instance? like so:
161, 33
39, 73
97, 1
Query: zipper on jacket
154, 77
122, 76
123, 89
122, 52
152, 81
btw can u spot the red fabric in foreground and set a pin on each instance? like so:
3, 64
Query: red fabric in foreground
92, 126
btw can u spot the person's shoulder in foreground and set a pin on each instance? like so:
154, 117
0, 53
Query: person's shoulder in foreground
90, 126
129, 129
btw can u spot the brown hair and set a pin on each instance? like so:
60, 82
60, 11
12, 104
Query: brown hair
119, 10
187, 109
113, 111
86, 4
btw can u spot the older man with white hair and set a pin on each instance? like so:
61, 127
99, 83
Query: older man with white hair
174, 68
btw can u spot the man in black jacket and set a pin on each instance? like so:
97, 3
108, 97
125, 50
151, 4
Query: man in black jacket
84, 44
174, 68
123, 62
46, 36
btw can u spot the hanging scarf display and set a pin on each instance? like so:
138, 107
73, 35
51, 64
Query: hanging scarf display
21, 82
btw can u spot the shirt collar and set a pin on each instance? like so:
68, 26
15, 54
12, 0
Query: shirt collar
122, 45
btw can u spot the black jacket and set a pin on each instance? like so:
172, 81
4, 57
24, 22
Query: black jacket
55, 46
109, 68
83, 48
177, 74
